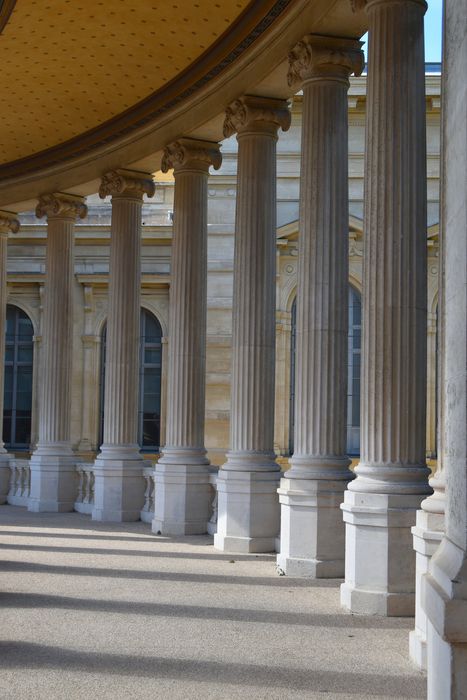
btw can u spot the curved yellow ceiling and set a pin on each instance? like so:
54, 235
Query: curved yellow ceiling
71, 65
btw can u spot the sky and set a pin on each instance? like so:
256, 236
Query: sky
433, 23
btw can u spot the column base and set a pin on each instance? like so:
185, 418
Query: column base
54, 482
248, 511
312, 530
379, 557
182, 493
5, 475
444, 599
119, 484
427, 535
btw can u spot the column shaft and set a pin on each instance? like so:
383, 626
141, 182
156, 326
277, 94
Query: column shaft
312, 531
8, 223
53, 479
119, 483
182, 476
248, 505
392, 474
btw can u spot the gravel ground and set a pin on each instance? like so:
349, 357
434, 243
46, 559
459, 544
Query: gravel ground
92, 610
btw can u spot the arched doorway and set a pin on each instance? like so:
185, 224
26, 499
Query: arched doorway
353, 382
17, 397
149, 404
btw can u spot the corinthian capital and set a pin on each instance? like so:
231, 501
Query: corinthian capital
191, 154
258, 113
322, 56
127, 183
61, 206
8, 222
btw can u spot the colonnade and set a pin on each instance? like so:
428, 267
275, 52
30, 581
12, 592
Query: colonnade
332, 522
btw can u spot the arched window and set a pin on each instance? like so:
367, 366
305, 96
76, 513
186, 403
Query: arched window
149, 405
17, 398
353, 385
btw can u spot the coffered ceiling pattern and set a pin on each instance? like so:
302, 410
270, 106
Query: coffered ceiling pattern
71, 65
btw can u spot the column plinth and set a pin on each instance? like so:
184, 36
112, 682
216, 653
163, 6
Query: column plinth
119, 484
392, 478
312, 531
53, 473
248, 508
182, 490
8, 224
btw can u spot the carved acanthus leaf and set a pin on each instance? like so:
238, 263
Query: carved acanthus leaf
191, 153
321, 56
8, 222
130, 183
61, 205
251, 111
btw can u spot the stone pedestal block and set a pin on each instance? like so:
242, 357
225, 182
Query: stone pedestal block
427, 535
53, 481
182, 495
380, 564
118, 484
312, 530
248, 511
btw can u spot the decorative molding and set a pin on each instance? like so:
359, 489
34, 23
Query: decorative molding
262, 113
6, 8
192, 154
252, 23
8, 222
128, 183
318, 56
61, 206
358, 5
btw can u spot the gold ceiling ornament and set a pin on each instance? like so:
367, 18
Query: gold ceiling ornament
186, 153
318, 56
126, 183
253, 112
8, 222
60, 205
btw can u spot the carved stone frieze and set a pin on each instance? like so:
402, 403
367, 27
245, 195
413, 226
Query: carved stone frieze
8, 222
322, 56
128, 183
186, 153
258, 113
358, 5
61, 205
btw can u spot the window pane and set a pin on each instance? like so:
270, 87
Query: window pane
152, 356
18, 379
25, 353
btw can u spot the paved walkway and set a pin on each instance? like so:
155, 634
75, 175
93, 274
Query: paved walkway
97, 611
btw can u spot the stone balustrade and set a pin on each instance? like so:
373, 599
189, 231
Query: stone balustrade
85, 498
20, 482
212, 522
147, 512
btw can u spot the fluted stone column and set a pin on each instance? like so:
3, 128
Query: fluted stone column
312, 531
392, 478
8, 224
429, 529
119, 484
182, 490
444, 587
53, 476
248, 515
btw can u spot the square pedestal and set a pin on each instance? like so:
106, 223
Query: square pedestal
119, 488
248, 511
5, 476
379, 556
54, 483
182, 499
312, 541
